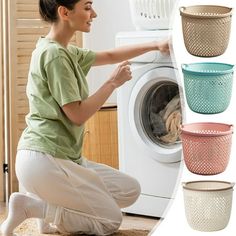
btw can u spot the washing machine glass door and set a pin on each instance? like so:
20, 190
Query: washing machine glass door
155, 114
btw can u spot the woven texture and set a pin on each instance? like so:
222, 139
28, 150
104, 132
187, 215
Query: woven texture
206, 155
208, 210
208, 86
206, 37
208, 94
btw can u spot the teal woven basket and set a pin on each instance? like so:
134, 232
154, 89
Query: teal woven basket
208, 86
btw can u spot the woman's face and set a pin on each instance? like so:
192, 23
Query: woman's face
80, 18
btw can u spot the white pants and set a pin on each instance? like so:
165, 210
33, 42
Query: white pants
80, 198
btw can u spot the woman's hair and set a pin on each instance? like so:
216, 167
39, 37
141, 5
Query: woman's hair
48, 8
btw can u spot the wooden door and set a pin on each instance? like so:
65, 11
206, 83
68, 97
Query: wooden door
101, 137
2, 155
24, 29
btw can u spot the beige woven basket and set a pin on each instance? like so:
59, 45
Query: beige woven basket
208, 204
206, 29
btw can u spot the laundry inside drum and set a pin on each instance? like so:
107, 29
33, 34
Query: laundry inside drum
161, 113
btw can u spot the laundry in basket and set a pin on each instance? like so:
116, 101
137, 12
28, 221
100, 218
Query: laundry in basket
152, 14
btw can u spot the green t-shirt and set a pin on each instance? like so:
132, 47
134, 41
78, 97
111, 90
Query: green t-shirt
56, 77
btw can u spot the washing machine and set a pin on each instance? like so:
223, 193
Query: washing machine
155, 163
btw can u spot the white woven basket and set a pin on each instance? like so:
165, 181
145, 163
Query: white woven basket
151, 14
208, 204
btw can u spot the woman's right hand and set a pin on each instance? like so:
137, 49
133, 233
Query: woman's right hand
121, 74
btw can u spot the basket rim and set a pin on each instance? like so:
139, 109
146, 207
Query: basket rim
186, 68
183, 13
222, 133
231, 185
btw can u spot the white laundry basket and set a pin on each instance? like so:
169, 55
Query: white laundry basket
208, 204
151, 14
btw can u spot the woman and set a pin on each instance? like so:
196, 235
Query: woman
66, 190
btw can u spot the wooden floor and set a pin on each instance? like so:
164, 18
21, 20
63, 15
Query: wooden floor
129, 221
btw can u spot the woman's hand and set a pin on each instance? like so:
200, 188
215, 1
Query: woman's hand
121, 74
163, 46
80, 111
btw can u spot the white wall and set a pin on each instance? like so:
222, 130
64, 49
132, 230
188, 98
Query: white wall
113, 17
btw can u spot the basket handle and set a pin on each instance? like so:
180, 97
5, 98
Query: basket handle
232, 128
182, 9
233, 66
184, 66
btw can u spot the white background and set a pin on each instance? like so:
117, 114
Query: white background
175, 222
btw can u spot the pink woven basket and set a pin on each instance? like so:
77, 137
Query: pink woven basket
206, 147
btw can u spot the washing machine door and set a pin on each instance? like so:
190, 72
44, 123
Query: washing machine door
154, 99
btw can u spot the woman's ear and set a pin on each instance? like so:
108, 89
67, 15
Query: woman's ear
63, 12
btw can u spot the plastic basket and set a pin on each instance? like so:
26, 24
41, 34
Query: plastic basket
206, 29
206, 147
208, 204
208, 86
151, 14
